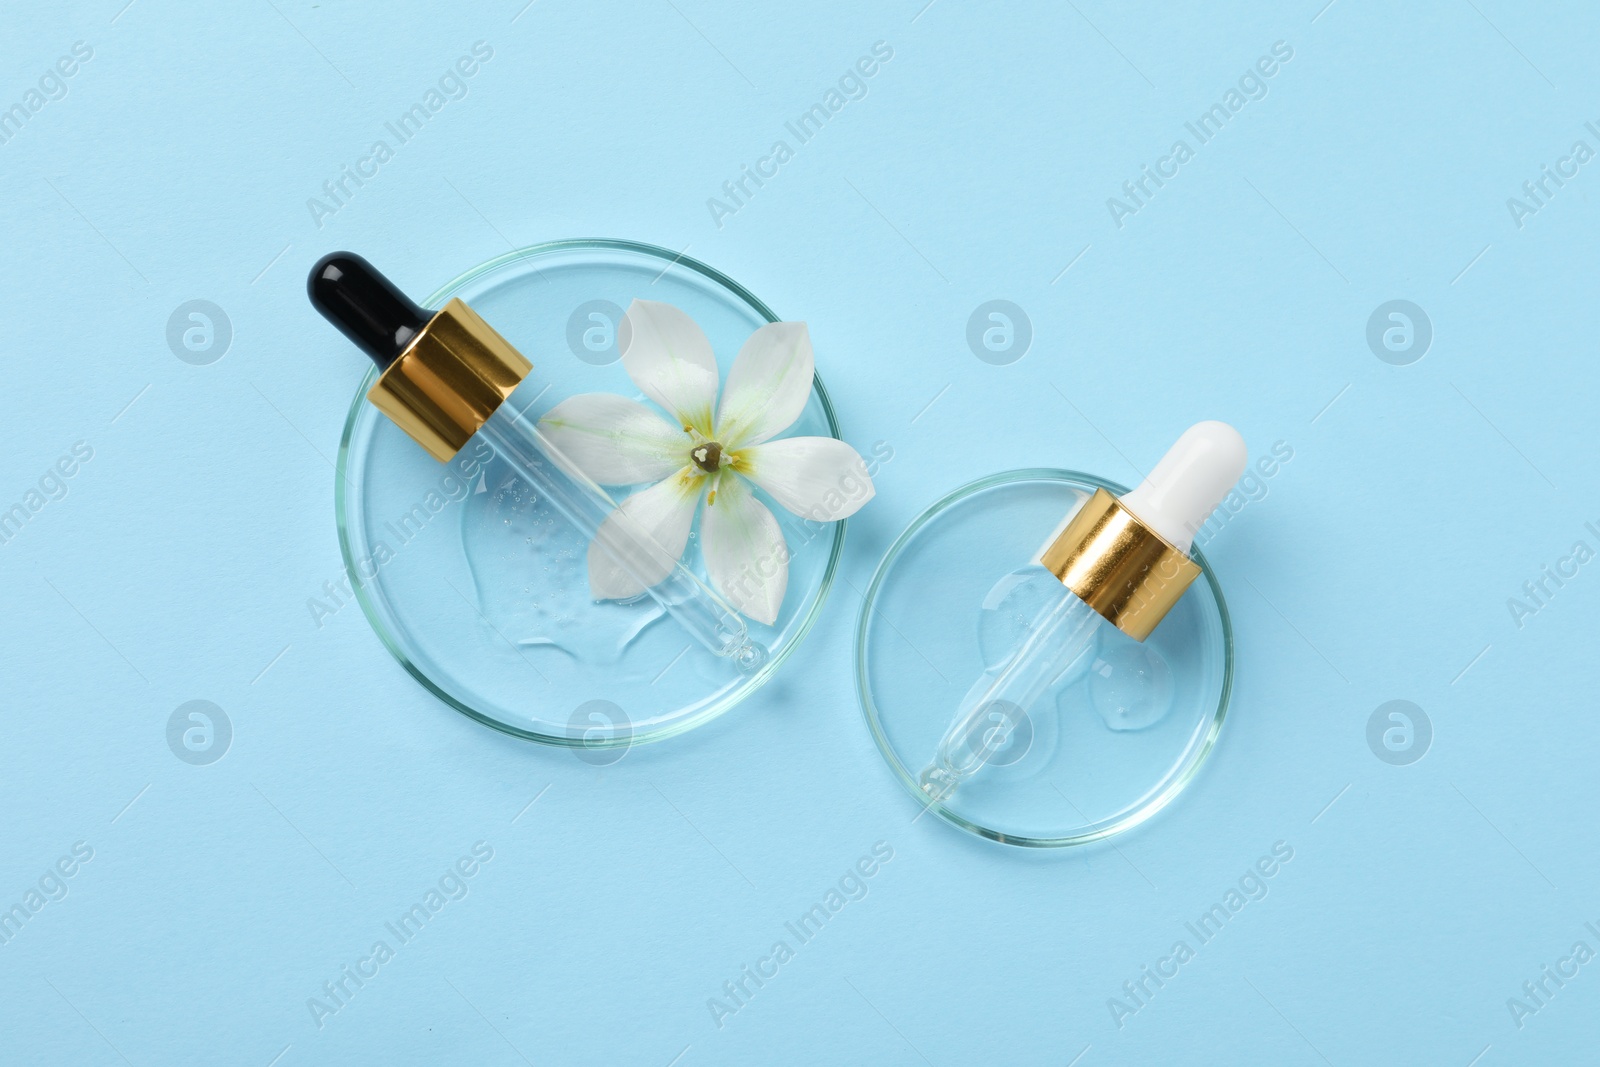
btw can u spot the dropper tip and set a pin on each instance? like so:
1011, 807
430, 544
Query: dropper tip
749, 657
937, 783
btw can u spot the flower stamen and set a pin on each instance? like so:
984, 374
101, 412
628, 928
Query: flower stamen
708, 456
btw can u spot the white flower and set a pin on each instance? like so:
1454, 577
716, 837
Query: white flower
709, 449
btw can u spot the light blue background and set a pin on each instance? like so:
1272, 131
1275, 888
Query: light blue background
1377, 567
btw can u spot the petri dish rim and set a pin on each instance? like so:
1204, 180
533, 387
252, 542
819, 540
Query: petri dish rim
869, 709
396, 647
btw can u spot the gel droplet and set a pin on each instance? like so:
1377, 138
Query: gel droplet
1008, 615
1009, 609
510, 535
1130, 685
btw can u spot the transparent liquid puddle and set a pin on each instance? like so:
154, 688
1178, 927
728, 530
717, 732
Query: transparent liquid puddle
1129, 684
506, 529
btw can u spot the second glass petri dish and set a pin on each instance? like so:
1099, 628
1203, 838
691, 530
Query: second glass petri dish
1110, 745
480, 591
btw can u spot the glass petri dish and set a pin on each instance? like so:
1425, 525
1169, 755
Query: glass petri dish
1111, 744
481, 592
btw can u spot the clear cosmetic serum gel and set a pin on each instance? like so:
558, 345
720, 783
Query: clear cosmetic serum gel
447, 377
1122, 561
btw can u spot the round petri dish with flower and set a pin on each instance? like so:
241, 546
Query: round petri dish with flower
659, 384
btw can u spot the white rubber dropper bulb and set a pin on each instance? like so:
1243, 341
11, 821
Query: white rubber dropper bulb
1179, 495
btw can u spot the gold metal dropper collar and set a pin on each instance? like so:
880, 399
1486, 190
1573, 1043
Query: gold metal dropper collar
1119, 566
453, 376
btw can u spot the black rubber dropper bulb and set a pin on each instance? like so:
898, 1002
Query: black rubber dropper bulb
366, 307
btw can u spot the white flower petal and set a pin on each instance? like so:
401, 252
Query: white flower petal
768, 386
746, 555
614, 440
817, 478
641, 540
670, 360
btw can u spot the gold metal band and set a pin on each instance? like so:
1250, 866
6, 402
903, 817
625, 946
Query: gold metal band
452, 378
1119, 566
